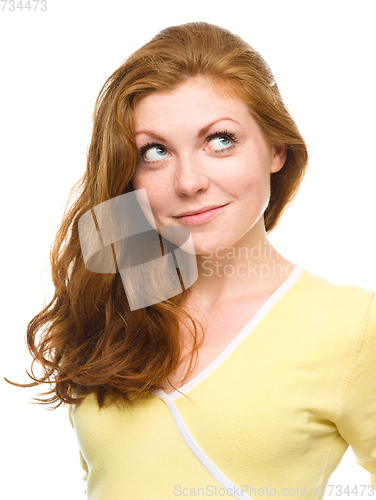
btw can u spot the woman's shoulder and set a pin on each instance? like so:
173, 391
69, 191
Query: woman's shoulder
336, 290
350, 305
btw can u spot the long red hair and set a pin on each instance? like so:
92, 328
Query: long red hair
87, 339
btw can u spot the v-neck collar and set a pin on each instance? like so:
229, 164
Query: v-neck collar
256, 318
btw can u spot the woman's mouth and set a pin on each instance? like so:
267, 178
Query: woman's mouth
201, 217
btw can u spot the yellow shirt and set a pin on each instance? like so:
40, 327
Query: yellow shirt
275, 412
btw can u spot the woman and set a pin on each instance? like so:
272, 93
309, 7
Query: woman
254, 378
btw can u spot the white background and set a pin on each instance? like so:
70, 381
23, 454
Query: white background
53, 65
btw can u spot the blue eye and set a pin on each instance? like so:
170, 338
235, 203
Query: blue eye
156, 153
221, 142
152, 152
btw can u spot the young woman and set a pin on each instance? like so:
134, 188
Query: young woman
254, 378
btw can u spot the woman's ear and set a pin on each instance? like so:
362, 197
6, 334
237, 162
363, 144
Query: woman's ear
279, 155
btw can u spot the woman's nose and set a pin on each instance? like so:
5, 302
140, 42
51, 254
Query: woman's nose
190, 175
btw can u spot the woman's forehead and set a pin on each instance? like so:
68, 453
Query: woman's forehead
193, 96
220, 86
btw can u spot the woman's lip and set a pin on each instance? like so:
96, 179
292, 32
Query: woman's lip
201, 217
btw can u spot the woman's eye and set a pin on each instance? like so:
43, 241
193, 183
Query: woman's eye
155, 153
220, 142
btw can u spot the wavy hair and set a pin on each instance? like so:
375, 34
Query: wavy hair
87, 339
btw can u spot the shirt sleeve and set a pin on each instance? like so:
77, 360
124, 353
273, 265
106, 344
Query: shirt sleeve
357, 424
82, 459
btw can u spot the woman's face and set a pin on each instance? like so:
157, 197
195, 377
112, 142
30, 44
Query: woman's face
200, 148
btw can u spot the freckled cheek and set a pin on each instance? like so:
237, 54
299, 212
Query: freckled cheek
252, 187
157, 197
249, 178
140, 181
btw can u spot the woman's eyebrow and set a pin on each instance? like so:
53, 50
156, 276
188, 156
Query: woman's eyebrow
204, 130
201, 132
